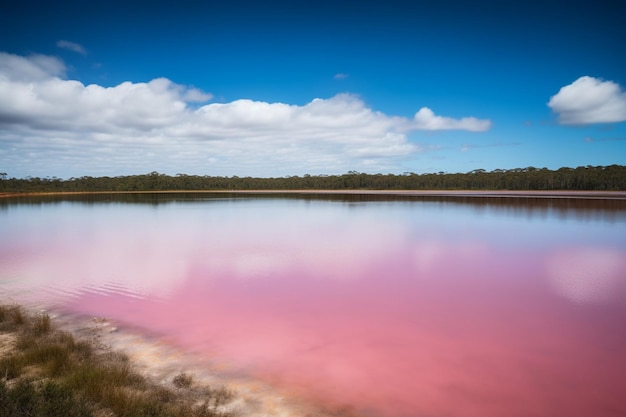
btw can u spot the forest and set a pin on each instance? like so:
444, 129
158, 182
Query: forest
600, 178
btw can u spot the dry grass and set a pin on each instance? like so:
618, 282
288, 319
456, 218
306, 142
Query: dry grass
48, 372
182, 380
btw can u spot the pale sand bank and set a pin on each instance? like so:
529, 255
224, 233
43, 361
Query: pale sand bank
161, 362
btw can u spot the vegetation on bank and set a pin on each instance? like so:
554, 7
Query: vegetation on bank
601, 178
46, 372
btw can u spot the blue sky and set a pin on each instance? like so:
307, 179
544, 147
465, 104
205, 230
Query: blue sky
274, 88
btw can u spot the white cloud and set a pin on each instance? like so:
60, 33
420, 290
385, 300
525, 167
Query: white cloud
72, 46
340, 76
589, 100
193, 95
425, 119
31, 68
67, 105
53, 126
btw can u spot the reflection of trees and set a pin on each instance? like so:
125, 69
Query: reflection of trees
611, 177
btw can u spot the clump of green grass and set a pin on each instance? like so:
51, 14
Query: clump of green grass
49, 373
49, 399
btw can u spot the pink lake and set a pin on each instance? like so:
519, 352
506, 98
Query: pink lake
487, 307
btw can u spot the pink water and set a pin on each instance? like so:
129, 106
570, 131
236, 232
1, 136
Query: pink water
384, 308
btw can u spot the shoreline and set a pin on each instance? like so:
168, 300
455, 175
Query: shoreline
160, 362
575, 194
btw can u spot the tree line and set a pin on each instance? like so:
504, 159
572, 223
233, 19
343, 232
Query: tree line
601, 178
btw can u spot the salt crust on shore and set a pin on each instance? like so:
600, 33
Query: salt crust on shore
161, 362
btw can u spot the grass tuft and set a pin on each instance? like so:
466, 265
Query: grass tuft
11, 367
18, 316
11, 318
41, 324
182, 380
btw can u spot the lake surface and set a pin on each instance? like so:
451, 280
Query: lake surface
391, 307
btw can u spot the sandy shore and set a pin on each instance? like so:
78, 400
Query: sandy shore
160, 363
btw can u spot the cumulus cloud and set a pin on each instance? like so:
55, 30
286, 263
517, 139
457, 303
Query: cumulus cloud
193, 95
425, 119
589, 100
72, 46
53, 126
32, 68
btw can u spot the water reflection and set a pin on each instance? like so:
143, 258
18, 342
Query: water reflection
395, 307
586, 275
606, 209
